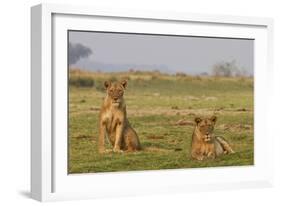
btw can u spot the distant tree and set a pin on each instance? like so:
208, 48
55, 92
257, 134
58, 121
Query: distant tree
242, 73
131, 70
180, 74
225, 69
77, 51
204, 74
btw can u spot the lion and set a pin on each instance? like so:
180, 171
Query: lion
113, 121
204, 143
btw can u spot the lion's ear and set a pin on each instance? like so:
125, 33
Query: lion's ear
106, 84
213, 119
197, 120
124, 83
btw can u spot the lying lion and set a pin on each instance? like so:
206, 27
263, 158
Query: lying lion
204, 143
113, 120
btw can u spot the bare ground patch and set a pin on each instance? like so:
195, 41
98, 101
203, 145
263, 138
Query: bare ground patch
155, 137
157, 150
235, 127
183, 122
82, 136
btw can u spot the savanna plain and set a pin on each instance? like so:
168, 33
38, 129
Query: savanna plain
161, 108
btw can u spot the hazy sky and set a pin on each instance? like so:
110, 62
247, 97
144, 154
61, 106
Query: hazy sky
193, 55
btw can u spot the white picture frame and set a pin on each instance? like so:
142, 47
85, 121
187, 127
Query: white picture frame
49, 178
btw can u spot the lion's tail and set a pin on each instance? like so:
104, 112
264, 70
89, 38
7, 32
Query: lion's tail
225, 145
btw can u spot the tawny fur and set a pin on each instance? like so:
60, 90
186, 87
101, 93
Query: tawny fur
204, 144
113, 122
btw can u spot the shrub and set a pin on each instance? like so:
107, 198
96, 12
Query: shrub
79, 81
99, 85
181, 74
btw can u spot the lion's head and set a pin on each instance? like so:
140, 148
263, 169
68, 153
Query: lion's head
115, 91
206, 127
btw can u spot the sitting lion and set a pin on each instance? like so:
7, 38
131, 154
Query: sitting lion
113, 120
204, 143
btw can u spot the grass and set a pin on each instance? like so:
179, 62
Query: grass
155, 103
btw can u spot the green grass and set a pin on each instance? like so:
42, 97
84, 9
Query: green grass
154, 104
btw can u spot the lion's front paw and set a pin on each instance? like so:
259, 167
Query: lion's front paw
200, 158
117, 150
211, 155
232, 152
101, 150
